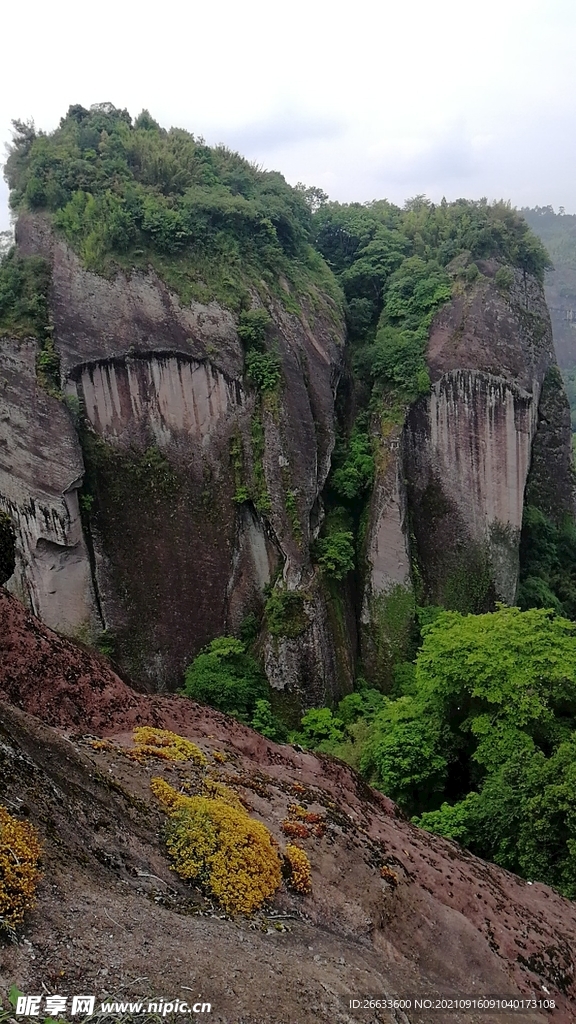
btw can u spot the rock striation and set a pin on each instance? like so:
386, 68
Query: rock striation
169, 493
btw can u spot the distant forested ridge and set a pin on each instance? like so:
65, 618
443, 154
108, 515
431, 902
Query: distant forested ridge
558, 233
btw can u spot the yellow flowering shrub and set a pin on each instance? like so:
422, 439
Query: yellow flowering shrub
166, 744
20, 850
101, 745
213, 841
218, 791
300, 878
167, 795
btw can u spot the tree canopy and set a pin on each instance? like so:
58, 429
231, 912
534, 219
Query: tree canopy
479, 742
133, 193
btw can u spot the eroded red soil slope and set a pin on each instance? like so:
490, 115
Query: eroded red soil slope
112, 917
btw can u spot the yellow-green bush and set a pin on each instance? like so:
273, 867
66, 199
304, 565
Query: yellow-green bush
300, 878
20, 851
214, 841
218, 791
166, 744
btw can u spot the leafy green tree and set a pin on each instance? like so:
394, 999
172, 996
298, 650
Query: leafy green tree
252, 326
224, 676
547, 563
319, 726
407, 755
24, 283
481, 743
335, 552
363, 703
314, 197
265, 722
505, 687
397, 358
354, 467
508, 670
264, 370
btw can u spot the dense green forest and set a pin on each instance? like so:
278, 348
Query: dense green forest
479, 740
476, 738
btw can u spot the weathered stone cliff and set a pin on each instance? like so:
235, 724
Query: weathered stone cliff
196, 488
166, 495
41, 471
446, 511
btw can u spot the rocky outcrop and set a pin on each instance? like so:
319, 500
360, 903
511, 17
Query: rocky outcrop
41, 470
422, 916
550, 484
446, 511
468, 451
196, 489
469, 445
388, 598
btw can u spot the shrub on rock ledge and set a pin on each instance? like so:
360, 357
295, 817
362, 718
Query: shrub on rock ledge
215, 842
20, 851
300, 874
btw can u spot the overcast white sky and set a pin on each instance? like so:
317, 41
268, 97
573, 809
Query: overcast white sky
366, 100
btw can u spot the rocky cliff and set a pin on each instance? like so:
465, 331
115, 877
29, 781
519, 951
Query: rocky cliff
41, 471
165, 493
447, 507
489, 354
558, 233
197, 490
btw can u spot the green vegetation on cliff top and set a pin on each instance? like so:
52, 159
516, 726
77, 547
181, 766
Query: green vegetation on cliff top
131, 194
397, 268
394, 268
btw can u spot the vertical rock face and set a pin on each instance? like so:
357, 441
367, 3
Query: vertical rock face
469, 444
156, 396
197, 491
388, 600
468, 451
550, 485
446, 511
172, 441
41, 470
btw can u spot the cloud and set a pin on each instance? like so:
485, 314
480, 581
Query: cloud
434, 160
287, 126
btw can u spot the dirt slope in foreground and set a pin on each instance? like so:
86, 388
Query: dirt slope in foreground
113, 919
